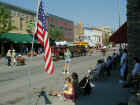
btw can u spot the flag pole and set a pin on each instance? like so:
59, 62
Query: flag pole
32, 50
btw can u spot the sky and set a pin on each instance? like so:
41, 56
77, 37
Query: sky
92, 13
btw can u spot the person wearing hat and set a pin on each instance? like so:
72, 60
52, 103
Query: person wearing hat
9, 55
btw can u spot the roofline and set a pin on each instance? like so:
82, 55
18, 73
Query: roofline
93, 28
17, 7
30, 11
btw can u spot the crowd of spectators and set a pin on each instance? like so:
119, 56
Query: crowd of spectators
73, 88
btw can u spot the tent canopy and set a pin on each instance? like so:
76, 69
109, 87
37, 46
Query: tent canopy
120, 36
17, 38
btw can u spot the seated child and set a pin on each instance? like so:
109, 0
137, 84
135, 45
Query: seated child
68, 90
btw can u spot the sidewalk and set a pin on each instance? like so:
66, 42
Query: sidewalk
107, 92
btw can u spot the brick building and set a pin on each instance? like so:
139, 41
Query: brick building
63, 24
22, 17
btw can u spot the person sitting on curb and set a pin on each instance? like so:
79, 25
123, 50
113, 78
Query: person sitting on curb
75, 82
123, 71
136, 67
98, 70
114, 61
68, 92
108, 66
135, 71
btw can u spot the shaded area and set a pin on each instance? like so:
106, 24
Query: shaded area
46, 100
107, 92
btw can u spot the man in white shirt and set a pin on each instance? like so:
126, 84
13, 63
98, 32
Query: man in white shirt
136, 68
124, 56
135, 71
98, 72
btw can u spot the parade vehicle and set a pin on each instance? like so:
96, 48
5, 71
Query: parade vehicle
58, 50
77, 49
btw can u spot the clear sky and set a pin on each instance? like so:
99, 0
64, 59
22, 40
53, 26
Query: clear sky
90, 12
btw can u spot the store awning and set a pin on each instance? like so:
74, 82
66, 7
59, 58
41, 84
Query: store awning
120, 36
17, 38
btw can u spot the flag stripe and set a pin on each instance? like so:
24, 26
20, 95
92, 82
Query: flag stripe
48, 65
42, 37
40, 40
47, 54
52, 71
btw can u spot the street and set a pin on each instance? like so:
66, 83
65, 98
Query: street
14, 82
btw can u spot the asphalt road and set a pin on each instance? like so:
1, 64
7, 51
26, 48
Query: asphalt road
14, 83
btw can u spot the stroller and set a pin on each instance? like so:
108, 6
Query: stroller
85, 87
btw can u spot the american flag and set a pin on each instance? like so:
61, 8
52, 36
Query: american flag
42, 37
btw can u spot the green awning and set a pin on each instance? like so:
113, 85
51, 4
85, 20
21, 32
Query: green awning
18, 38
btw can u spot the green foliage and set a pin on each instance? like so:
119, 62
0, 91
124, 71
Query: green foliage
5, 20
30, 26
106, 41
56, 34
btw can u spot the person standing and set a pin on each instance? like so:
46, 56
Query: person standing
67, 56
14, 57
123, 71
124, 56
9, 55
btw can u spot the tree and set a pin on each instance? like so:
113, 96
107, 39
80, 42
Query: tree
56, 34
133, 31
5, 20
106, 40
5, 24
30, 26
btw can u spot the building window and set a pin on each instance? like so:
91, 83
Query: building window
52, 25
99, 39
21, 25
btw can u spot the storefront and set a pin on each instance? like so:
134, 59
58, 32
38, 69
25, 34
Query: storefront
20, 42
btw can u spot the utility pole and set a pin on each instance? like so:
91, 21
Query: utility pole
119, 9
119, 17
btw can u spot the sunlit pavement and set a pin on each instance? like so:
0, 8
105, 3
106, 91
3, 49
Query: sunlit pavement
14, 84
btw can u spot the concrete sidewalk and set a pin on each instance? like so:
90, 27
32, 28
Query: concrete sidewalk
107, 92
